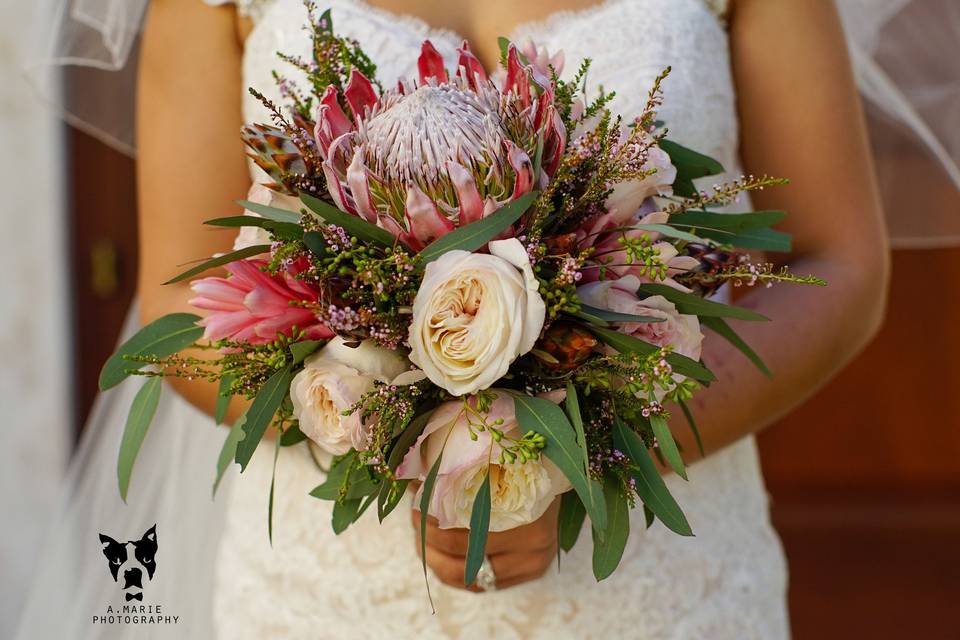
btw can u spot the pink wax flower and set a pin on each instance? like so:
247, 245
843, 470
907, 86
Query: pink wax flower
253, 306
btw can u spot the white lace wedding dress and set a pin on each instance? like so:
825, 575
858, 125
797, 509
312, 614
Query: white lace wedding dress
726, 583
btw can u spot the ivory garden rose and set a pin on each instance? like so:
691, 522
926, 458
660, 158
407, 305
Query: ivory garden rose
333, 380
520, 492
474, 315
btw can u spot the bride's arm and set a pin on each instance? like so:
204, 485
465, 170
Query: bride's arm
191, 164
799, 118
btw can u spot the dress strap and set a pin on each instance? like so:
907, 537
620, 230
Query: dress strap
719, 7
252, 9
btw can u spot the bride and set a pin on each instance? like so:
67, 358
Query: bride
762, 85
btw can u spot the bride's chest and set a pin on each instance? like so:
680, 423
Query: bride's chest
629, 43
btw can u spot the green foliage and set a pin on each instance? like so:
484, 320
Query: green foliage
479, 526
609, 544
261, 413
162, 337
142, 410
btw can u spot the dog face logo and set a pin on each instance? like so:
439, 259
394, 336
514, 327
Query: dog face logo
131, 560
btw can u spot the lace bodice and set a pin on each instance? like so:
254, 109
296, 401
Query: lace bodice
727, 583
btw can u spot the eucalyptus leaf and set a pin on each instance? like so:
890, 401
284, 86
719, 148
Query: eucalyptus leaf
690, 164
390, 495
293, 435
732, 223
648, 516
668, 446
576, 419
476, 234
570, 521
479, 527
161, 338
693, 426
273, 483
649, 483
628, 344
142, 410
669, 231
261, 413
428, 484
608, 547
406, 439
354, 225
229, 450
220, 261
282, 230
345, 513
270, 213
301, 350
615, 316
316, 243
721, 328
223, 398
690, 304
547, 419
761, 239
329, 489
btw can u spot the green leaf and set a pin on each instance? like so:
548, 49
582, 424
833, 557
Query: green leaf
301, 350
329, 489
219, 261
648, 516
763, 239
141, 414
732, 223
721, 328
315, 241
690, 304
282, 230
292, 436
406, 439
424, 509
547, 419
479, 527
570, 522
229, 450
576, 419
353, 225
670, 232
690, 164
693, 426
649, 484
628, 344
608, 547
273, 483
270, 213
261, 413
476, 234
162, 337
588, 312
223, 399
345, 513
390, 495
668, 445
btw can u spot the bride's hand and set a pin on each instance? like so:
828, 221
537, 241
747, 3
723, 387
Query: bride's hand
518, 555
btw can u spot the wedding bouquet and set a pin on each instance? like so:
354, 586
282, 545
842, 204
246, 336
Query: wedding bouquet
489, 284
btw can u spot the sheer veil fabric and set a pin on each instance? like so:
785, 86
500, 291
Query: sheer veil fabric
174, 474
903, 53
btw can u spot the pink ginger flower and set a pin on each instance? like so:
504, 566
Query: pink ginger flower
256, 307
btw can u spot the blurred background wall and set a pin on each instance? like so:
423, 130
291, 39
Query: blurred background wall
34, 317
864, 477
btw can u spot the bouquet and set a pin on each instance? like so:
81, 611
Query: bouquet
490, 284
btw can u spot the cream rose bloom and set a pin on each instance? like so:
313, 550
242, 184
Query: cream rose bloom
474, 315
332, 381
519, 492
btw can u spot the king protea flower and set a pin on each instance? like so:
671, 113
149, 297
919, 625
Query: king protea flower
431, 155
